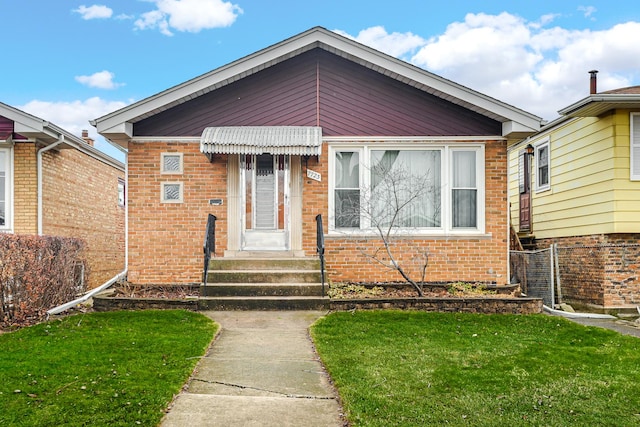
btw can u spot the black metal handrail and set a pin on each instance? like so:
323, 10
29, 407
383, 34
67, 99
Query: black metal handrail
320, 247
209, 246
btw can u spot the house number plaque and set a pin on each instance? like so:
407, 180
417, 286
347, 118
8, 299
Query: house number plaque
314, 175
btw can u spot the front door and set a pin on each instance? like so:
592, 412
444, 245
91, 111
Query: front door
524, 177
265, 218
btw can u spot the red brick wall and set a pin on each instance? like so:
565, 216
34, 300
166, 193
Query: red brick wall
80, 199
602, 270
482, 259
25, 188
165, 239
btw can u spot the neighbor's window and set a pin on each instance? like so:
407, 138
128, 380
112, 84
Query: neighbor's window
5, 187
171, 163
171, 192
635, 147
542, 166
435, 189
121, 192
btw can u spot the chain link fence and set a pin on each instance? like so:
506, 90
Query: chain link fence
606, 274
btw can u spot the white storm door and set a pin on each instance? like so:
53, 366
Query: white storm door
265, 180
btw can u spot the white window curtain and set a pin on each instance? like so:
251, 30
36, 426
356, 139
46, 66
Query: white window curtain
405, 188
464, 190
347, 189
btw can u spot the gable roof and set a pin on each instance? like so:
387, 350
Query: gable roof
32, 127
516, 123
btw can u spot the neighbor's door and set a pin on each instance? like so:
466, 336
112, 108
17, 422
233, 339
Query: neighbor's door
524, 178
265, 181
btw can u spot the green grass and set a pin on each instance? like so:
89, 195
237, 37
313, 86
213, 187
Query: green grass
411, 368
116, 368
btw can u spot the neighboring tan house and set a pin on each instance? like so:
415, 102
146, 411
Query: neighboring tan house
55, 183
273, 139
579, 187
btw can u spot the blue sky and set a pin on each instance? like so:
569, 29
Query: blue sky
70, 61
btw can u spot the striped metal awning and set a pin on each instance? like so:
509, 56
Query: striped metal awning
293, 140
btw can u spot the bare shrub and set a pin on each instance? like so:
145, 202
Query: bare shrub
36, 274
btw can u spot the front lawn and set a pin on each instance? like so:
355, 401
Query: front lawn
116, 368
415, 368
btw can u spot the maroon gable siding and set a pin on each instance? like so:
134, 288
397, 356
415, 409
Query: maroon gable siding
6, 128
318, 88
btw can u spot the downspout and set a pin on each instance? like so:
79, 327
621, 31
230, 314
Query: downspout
59, 309
39, 177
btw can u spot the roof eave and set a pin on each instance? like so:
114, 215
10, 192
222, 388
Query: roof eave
597, 104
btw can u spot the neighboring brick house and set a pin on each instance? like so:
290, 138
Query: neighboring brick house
55, 183
269, 141
576, 183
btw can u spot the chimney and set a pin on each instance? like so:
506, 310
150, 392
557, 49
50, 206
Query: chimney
594, 82
85, 136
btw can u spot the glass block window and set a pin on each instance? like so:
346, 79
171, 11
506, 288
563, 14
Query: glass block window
171, 163
171, 192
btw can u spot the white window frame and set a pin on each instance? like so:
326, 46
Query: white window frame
634, 147
539, 146
180, 199
446, 228
180, 170
8, 189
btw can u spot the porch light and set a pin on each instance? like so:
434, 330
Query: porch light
529, 150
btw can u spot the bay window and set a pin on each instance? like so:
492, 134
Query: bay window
415, 189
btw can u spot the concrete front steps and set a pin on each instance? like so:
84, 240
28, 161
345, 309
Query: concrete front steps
263, 282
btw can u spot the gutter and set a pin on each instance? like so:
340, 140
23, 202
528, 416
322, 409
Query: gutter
59, 309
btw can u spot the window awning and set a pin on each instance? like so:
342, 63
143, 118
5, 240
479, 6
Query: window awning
293, 140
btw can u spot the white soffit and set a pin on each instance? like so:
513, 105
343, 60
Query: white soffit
292, 140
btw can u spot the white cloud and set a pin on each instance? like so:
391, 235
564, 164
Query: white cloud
188, 15
101, 80
528, 64
74, 117
395, 44
94, 12
588, 11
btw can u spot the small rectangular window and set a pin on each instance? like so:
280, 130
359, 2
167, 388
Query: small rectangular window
171, 192
121, 192
542, 158
171, 163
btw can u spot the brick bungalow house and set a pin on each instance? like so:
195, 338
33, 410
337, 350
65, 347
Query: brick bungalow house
298, 129
55, 183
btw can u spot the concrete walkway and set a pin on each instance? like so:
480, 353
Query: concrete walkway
261, 371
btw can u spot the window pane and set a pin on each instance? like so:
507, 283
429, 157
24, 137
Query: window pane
464, 194
347, 204
464, 208
172, 191
347, 170
405, 188
543, 166
464, 169
171, 163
